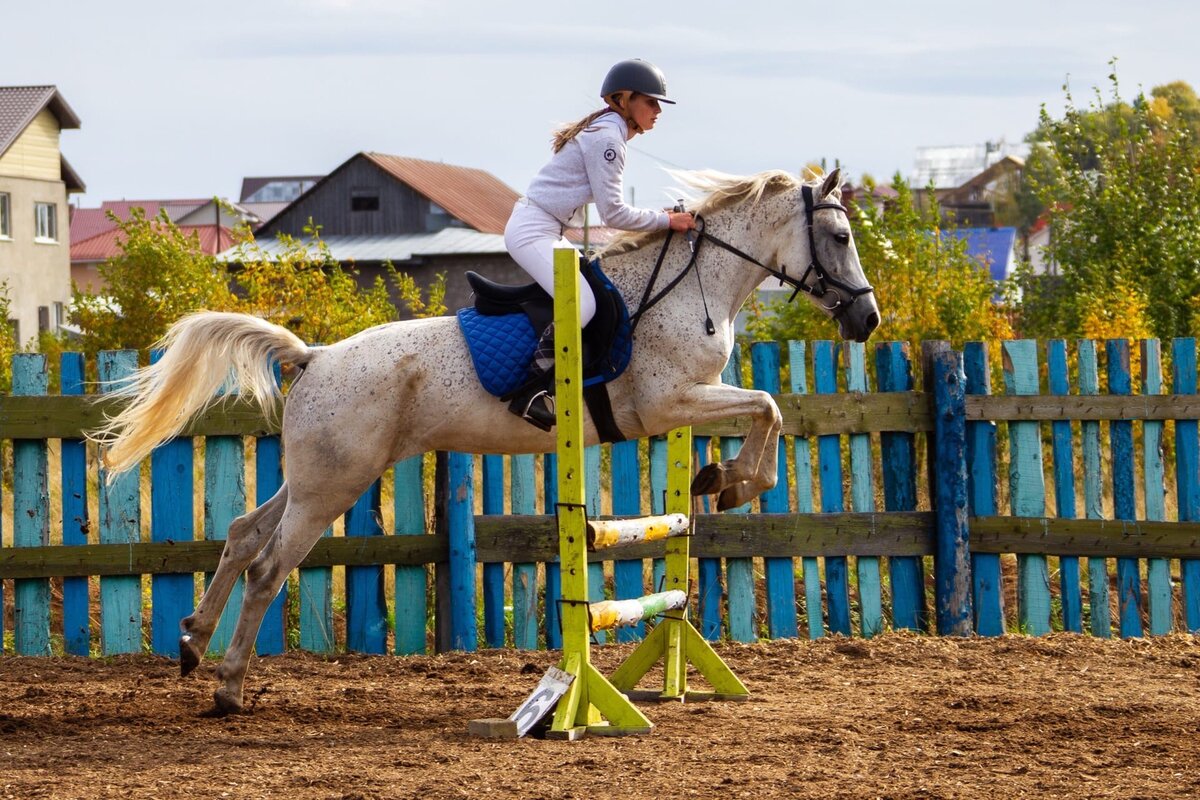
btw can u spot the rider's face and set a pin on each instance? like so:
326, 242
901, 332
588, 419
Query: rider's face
644, 110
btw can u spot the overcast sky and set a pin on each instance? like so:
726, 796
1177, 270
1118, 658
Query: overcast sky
184, 100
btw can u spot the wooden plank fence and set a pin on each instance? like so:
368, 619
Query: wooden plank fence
1069, 500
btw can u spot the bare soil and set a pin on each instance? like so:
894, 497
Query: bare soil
895, 717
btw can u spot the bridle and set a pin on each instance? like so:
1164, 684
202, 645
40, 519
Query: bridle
822, 284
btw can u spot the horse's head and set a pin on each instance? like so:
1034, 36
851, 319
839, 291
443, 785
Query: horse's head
822, 246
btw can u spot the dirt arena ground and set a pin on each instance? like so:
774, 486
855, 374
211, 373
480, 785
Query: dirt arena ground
901, 716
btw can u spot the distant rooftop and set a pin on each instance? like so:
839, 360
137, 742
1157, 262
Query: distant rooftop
949, 167
992, 249
281, 189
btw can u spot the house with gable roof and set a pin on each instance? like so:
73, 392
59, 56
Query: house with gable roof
424, 217
96, 236
35, 183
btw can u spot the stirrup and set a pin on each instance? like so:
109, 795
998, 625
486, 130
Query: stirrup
536, 409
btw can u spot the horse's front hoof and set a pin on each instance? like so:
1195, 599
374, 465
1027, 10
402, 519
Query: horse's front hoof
709, 480
189, 655
224, 703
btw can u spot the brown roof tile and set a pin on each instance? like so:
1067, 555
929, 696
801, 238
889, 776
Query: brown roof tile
107, 244
20, 104
474, 196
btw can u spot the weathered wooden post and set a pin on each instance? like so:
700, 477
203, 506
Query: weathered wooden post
952, 558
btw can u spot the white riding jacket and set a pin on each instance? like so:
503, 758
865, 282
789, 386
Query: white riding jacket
590, 168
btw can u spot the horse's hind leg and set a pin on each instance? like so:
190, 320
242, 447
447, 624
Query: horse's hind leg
297, 532
246, 537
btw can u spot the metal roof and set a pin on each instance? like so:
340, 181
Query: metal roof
398, 248
993, 249
20, 104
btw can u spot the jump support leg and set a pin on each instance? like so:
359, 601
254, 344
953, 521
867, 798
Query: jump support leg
675, 640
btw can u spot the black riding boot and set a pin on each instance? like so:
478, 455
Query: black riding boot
534, 402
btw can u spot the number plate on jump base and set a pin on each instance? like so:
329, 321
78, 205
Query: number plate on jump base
541, 702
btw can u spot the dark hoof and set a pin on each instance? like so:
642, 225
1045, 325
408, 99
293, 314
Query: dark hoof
224, 704
189, 655
709, 480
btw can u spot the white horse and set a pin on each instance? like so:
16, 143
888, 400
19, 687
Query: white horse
406, 388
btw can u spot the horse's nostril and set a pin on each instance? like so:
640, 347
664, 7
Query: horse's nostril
872, 321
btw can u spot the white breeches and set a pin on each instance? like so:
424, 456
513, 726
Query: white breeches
531, 237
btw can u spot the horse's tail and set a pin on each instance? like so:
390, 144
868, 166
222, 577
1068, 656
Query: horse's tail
203, 353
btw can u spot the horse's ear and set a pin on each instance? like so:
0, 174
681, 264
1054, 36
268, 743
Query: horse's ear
832, 183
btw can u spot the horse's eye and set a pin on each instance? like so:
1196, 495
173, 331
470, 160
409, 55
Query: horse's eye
842, 238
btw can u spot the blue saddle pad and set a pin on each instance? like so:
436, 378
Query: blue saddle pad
501, 348
502, 345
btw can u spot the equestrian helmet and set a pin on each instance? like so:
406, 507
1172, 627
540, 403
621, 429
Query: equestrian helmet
635, 75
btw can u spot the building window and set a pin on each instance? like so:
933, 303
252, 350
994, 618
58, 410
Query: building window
5, 216
46, 216
364, 201
60, 316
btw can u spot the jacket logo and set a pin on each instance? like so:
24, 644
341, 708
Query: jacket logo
610, 154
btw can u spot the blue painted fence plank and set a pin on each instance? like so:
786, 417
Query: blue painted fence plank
893, 368
224, 501
780, 572
366, 606
316, 607
952, 563
493, 572
802, 455
1027, 486
711, 591
1187, 473
988, 597
1063, 451
829, 461
862, 500
739, 572
1100, 621
268, 478
412, 611
658, 500
172, 519
1158, 570
76, 619
524, 575
31, 514
460, 513
591, 493
629, 580
553, 598
1129, 583
120, 523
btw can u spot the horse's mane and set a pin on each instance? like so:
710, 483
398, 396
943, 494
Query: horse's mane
719, 190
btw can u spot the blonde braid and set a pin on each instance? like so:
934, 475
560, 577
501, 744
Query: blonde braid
568, 132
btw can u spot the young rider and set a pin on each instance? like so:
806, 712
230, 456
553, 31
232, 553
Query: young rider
587, 166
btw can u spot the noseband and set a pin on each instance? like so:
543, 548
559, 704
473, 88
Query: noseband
821, 285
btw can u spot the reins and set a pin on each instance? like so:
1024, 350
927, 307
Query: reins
821, 286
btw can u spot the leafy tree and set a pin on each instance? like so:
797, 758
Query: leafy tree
307, 291
926, 285
8, 339
161, 274
1121, 185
